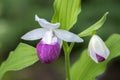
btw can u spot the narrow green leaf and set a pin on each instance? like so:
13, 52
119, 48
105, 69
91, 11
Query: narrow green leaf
94, 27
23, 56
66, 12
85, 68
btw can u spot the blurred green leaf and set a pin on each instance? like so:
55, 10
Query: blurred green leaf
23, 56
94, 27
66, 12
85, 68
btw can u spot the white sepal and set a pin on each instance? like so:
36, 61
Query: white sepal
67, 36
34, 34
45, 24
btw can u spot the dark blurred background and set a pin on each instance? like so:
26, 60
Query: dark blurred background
17, 18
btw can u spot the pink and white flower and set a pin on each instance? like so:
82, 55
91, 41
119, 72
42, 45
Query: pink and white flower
97, 49
48, 49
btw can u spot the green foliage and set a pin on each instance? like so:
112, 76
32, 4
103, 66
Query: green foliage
23, 56
85, 68
94, 27
66, 12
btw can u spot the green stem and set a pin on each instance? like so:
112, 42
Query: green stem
67, 51
67, 65
71, 46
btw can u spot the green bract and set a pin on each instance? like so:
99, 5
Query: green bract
90, 30
66, 12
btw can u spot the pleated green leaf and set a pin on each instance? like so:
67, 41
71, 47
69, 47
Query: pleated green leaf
66, 12
94, 27
86, 69
23, 56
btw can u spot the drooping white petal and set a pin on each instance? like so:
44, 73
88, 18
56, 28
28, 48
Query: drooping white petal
99, 46
34, 34
67, 36
44, 23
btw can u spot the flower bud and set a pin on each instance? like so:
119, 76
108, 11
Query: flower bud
97, 49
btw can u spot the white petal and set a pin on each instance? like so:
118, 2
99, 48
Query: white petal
34, 34
55, 39
67, 36
48, 37
60, 42
45, 24
99, 46
91, 52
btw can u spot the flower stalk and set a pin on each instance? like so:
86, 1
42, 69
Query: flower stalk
67, 50
67, 65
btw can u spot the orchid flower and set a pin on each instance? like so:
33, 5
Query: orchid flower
98, 51
48, 49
